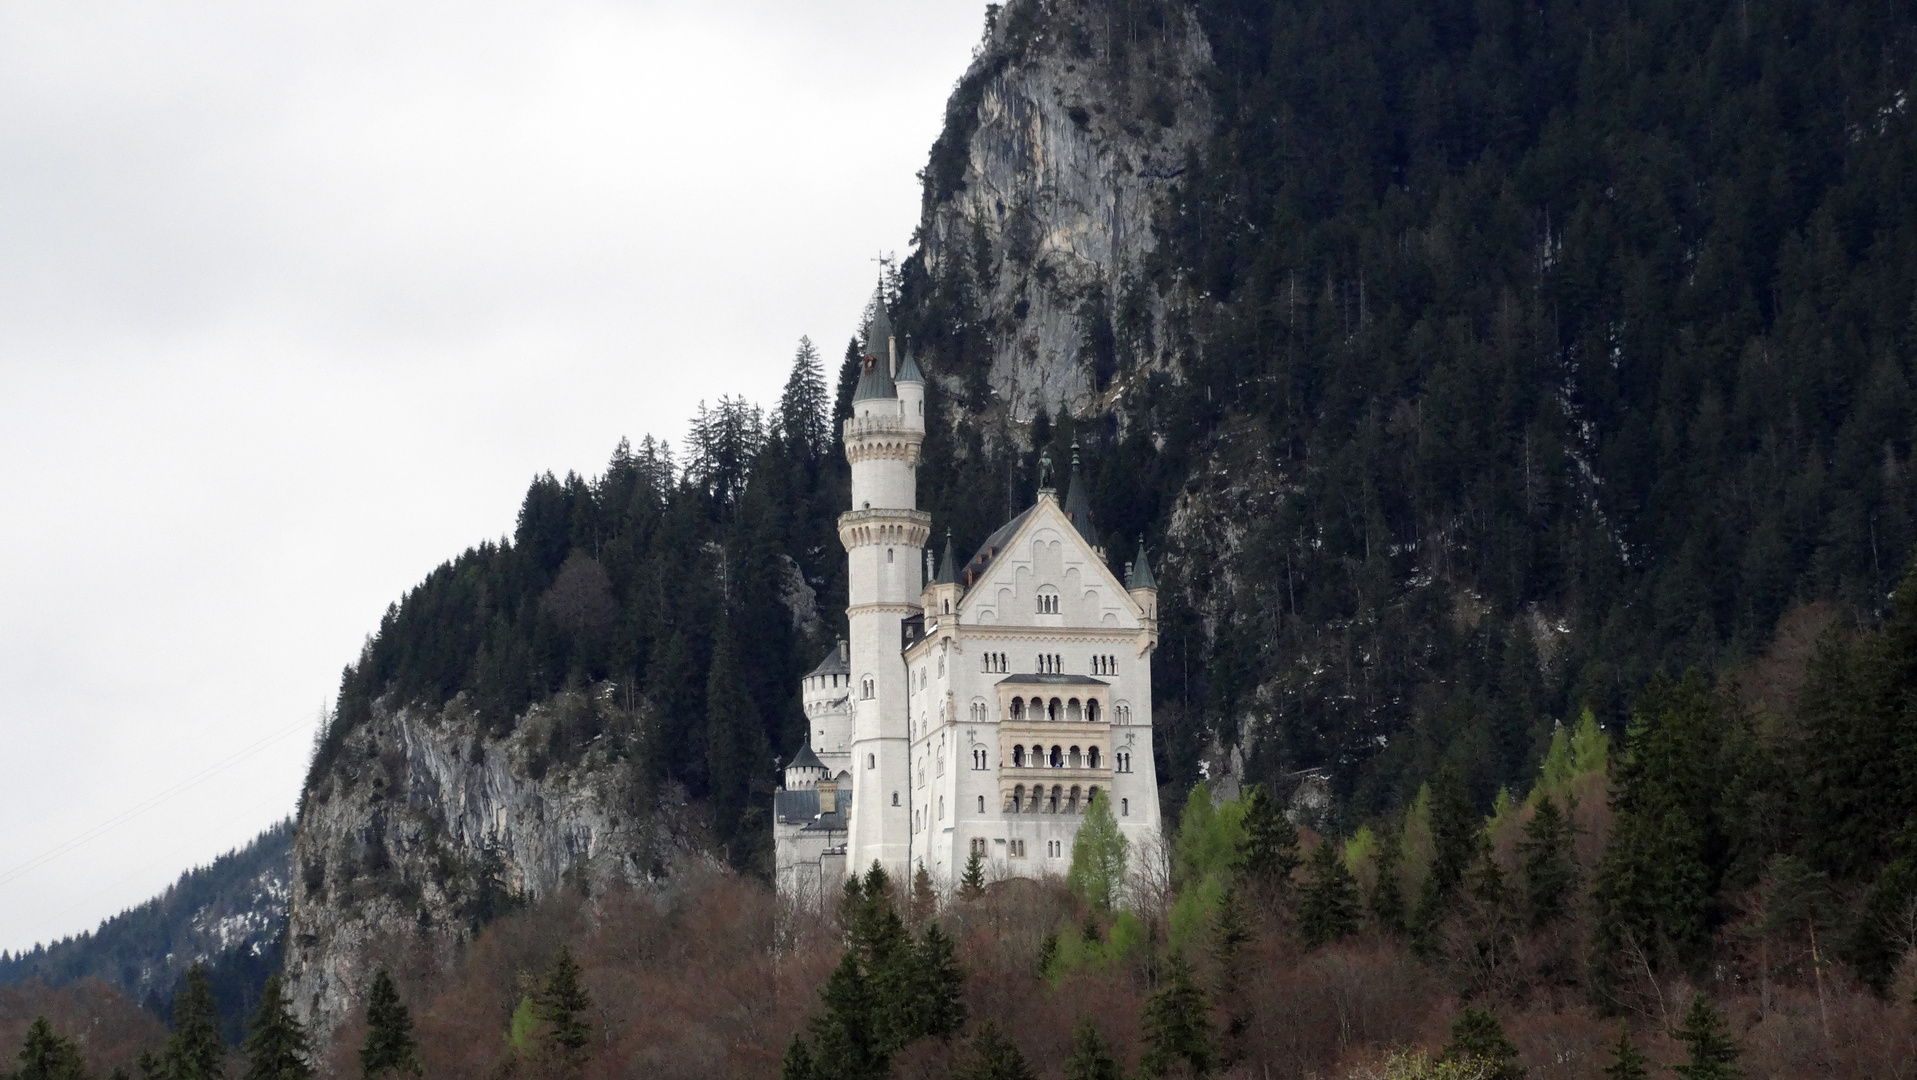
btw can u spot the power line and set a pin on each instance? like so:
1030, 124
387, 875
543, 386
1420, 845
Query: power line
128, 815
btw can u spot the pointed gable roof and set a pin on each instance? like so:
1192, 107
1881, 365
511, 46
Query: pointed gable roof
1140, 571
1014, 532
908, 367
806, 759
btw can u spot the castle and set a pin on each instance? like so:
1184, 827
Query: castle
979, 711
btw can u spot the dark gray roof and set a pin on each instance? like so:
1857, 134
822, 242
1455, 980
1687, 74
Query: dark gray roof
875, 383
805, 759
993, 545
948, 566
1141, 572
908, 367
1052, 680
803, 806
1078, 503
833, 664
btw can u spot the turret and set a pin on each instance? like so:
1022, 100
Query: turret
911, 389
942, 595
1144, 592
1078, 506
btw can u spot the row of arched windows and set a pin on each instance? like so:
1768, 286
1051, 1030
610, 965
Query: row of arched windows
1050, 664
1056, 799
1058, 758
1054, 709
996, 663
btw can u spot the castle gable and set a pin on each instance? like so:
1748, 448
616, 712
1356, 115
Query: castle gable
1044, 556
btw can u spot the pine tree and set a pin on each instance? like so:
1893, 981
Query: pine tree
46, 1055
562, 1004
972, 885
845, 1040
797, 1063
936, 1006
1099, 854
736, 747
1269, 854
277, 1048
1476, 1036
1329, 908
1550, 874
1712, 1053
925, 900
1177, 1025
1091, 1058
1387, 893
994, 1057
1454, 831
389, 1047
1627, 1061
804, 409
1230, 933
195, 1051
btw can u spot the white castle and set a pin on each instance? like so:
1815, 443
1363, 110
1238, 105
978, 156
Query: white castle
979, 712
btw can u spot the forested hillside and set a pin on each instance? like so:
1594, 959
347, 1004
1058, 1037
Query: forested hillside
227, 915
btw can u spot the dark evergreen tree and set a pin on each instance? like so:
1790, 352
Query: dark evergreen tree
1329, 909
797, 1062
195, 1050
1876, 942
1476, 1036
1550, 873
1627, 1061
1269, 852
805, 412
276, 1047
563, 1004
1387, 892
847, 1043
389, 1049
1177, 1025
935, 1007
972, 884
1711, 1053
1231, 931
994, 1057
1091, 1058
925, 900
47, 1055
737, 756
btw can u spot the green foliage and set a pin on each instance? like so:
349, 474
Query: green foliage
1387, 893
1091, 1058
1658, 879
195, 1050
1329, 908
972, 882
1099, 855
390, 1048
1627, 1061
46, 1055
1205, 860
563, 1004
797, 1062
1877, 940
1476, 1036
1584, 750
524, 1024
1073, 949
994, 1057
1550, 872
1268, 855
277, 1047
1177, 1025
1712, 1054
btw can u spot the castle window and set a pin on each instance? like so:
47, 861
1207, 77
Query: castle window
888, 554
1055, 848
1091, 710
1018, 708
978, 760
948, 608
1073, 711
1124, 713
895, 798
978, 845
1073, 754
1017, 849
1018, 798
1091, 757
1048, 602
1124, 808
865, 688
981, 804
1051, 803
941, 808
1124, 761
872, 762
1018, 757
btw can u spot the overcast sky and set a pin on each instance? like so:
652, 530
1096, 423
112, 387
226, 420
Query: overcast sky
296, 297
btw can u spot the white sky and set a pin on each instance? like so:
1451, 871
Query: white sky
296, 297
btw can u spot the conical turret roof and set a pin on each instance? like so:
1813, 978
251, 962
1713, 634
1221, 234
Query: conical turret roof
876, 382
806, 759
908, 366
948, 564
1141, 575
1078, 503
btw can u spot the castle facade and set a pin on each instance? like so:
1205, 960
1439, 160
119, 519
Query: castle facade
977, 707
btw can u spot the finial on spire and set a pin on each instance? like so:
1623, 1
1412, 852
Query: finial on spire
948, 564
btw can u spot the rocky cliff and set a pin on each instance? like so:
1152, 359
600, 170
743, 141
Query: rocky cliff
425, 826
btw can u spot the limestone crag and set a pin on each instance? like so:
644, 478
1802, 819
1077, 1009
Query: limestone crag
1071, 136
426, 824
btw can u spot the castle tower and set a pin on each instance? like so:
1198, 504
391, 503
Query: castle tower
884, 534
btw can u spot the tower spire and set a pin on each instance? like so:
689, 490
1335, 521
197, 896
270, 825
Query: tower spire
1078, 502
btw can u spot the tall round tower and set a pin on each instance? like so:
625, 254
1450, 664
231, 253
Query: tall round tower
884, 536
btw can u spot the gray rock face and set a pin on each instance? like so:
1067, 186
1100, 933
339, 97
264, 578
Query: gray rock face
1077, 136
425, 825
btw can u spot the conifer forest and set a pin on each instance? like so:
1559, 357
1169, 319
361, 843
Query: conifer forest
1556, 359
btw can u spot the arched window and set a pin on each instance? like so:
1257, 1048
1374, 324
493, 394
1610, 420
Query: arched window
1074, 758
865, 688
895, 798
1018, 798
1091, 797
1018, 757
1091, 711
981, 804
1048, 601
1124, 713
1071, 801
888, 554
948, 608
1074, 711
871, 761
941, 808
1038, 757
1051, 709
1124, 808
1051, 803
1091, 757
1018, 708
1058, 757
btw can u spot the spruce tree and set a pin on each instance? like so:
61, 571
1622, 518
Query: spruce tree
195, 1050
846, 1043
389, 1048
47, 1055
925, 900
994, 1057
1387, 893
972, 884
797, 1063
1550, 874
1178, 1025
562, 1004
1712, 1054
1329, 909
1269, 853
277, 1047
1099, 854
1230, 933
1091, 1058
736, 747
1627, 1061
1476, 1036
936, 1006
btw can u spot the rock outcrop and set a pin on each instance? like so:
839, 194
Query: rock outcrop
425, 825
